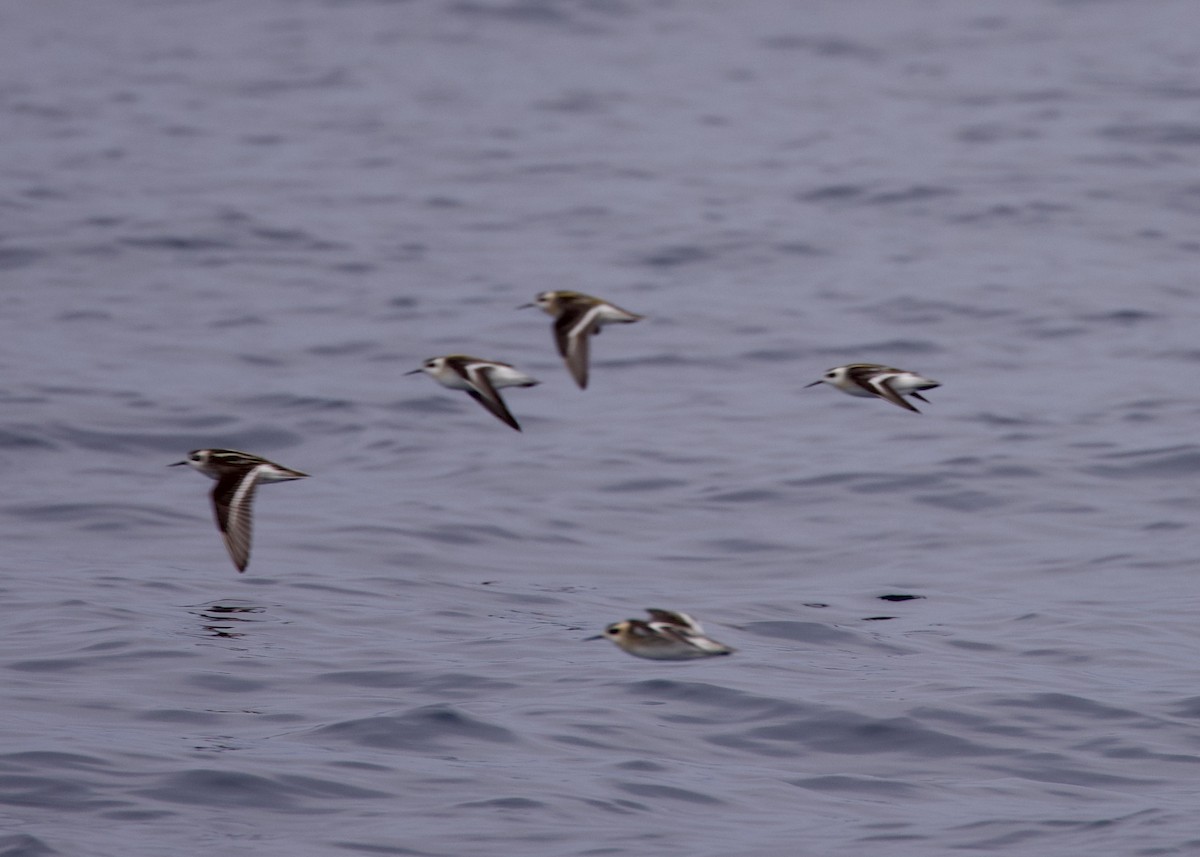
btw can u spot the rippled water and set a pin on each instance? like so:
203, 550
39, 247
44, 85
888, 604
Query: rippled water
237, 224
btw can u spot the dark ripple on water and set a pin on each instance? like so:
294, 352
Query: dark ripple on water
434, 728
1179, 461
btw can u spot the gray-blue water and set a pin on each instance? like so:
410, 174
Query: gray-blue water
233, 223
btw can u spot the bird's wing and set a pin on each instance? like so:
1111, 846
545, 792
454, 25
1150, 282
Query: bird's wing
233, 500
571, 332
885, 391
485, 393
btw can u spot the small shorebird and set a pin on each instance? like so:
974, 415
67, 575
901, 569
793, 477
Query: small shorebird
577, 317
871, 379
238, 475
668, 636
479, 378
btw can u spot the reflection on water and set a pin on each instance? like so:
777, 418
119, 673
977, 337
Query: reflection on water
227, 619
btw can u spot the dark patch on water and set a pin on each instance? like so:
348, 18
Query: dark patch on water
800, 248
838, 47
992, 132
174, 715
670, 257
233, 789
662, 792
857, 785
866, 195
12, 258
433, 728
853, 734
227, 683
962, 501
521, 11
832, 193
517, 803
365, 847
752, 496
641, 486
735, 545
1122, 317
51, 793
1155, 133
1069, 704
435, 683
1178, 461
190, 243
24, 845
24, 439
458, 534
872, 351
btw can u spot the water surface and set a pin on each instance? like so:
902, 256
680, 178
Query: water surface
231, 224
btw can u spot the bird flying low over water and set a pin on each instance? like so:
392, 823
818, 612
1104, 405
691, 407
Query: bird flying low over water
668, 636
238, 474
871, 379
577, 317
479, 378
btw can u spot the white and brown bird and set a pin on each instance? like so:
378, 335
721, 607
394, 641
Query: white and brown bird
576, 318
238, 474
667, 636
873, 380
480, 379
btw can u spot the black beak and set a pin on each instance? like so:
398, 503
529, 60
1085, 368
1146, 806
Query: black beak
177, 463
526, 306
597, 637
416, 371
813, 384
